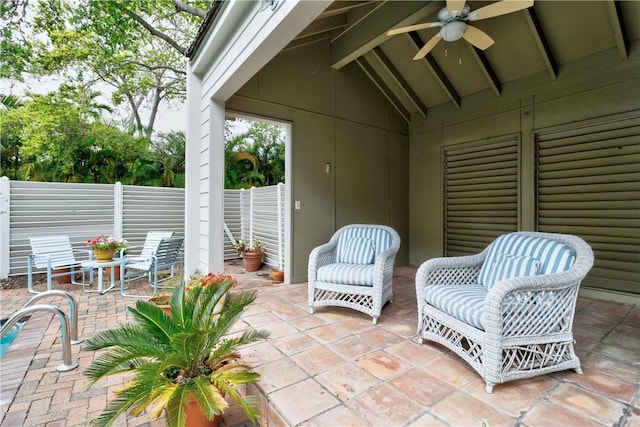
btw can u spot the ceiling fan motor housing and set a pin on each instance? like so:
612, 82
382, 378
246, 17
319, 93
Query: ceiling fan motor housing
453, 31
445, 17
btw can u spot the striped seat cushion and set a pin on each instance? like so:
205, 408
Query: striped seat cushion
347, 274
380, 238
464, 302
552, 256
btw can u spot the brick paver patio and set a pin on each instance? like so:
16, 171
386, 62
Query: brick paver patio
336, 368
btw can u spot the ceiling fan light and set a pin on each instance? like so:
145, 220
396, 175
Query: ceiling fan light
453, 31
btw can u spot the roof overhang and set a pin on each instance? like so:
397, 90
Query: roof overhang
241, 37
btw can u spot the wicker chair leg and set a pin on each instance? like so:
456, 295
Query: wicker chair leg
375, 320
489, 387
310, 310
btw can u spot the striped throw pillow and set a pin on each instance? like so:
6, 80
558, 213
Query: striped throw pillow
510, 266
553, 256
358, 250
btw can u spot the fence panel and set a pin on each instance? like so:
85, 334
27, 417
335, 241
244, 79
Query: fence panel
81, 211
151, 208
265, 223
84, 211
233, 222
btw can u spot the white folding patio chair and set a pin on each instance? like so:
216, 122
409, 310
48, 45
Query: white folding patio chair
55, 253
150, 246
166, 256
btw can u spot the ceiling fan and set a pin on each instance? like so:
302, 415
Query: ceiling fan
453, 21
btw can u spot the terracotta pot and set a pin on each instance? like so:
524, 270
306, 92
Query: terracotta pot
116, 272
104, 255
196, 417
278, 276
162, 301
64, 278
252, 261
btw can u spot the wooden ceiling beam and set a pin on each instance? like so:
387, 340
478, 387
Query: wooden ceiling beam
325, 25
618, 27
442, 79
541, 42
400, 81
486, 68
342, 7
386, 91
371, 30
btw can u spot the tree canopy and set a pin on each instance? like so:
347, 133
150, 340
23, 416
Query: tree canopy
134, 47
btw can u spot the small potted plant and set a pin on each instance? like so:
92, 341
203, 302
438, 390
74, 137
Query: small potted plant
182, 362
251, 254
104, 247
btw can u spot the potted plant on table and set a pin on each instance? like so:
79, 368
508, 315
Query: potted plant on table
251, 254
104, 248
183, 361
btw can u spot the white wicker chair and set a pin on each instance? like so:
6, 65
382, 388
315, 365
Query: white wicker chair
354, 269
507, 311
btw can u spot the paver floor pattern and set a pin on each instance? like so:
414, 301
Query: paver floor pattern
336, 368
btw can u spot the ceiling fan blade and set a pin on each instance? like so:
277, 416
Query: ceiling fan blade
499, 8
416, 27
455, 7
478, 38
427, 47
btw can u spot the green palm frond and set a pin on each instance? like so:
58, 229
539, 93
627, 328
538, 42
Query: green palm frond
137, 395
175, 407
209, 397
231, 344
177, 306
154, 320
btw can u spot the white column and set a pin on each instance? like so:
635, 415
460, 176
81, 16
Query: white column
4, 227
215, 241
192, 174
118, 209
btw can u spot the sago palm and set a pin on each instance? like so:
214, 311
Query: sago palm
189, 355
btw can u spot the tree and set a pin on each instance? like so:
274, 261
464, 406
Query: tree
9, 141
136, 47
60, 137
255, 157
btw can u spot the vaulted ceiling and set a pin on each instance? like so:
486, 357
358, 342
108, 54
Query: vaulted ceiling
540, 39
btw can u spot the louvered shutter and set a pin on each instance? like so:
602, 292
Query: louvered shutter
589, 185
481, 193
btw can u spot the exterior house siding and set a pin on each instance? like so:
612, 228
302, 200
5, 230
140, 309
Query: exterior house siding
338, 118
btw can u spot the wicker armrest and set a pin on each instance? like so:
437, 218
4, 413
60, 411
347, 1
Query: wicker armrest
540, 300
461, 270
320, 256
450, 271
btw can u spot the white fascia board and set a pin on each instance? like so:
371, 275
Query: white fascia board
244, 39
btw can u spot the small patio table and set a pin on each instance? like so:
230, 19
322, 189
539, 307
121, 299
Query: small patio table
100, 265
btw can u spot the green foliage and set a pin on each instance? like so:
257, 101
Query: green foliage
173, 359
135, 47
255, 157
60, 137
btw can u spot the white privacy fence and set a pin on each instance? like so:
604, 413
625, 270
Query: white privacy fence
256, 214
84, 211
